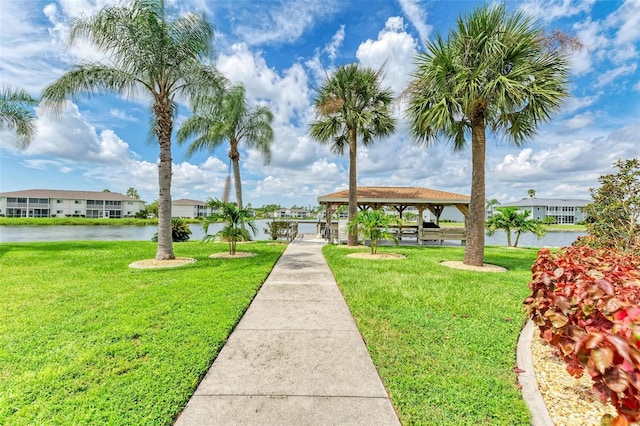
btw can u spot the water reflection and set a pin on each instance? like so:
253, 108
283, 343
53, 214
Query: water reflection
144, 233
114, 232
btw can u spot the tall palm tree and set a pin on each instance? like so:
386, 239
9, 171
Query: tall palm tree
229, 118
151, 55
16, 116
351, 105
495, 70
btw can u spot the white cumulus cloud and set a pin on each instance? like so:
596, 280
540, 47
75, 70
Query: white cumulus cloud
394, 49
418, 18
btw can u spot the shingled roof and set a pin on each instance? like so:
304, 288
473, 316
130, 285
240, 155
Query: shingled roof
395, 195
70, 195
189, 202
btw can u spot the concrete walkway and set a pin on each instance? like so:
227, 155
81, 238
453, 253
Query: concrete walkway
295, 358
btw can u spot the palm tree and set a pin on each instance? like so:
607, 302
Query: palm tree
235, 218
150, 55
531, 193
374, 225
229, 118
132, 192
510, 219
351, 105
16, 116
526, 224
497, 71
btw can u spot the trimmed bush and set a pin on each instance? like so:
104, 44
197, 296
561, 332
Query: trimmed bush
585, 303
180, 231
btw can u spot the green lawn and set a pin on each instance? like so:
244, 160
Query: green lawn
566, 227
443, 340
86, 340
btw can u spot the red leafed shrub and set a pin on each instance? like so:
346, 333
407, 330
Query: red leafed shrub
585, 303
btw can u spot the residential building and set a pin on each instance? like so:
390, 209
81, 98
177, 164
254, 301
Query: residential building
60, 203
292, 213
189, 209
563, 211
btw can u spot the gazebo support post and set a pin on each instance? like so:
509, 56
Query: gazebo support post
327, 216
420, 208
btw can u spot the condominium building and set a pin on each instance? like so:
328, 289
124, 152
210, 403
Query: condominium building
59, 203
189, 209
292, 213
563, 211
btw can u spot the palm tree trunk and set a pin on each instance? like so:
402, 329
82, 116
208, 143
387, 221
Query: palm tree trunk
162, 109
353, 186
234, 155
474, 251
508, 231
517, 239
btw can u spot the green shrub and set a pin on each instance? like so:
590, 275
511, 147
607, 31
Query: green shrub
585, 303
277, 229
613, 218
549, 220
180, 231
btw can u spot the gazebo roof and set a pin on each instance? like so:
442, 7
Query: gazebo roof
393, 195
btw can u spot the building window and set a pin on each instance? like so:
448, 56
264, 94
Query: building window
77, 212
130, 203
59, 211
59, 201
77, 202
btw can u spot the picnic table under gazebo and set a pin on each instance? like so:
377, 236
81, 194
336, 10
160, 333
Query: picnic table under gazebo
400, 198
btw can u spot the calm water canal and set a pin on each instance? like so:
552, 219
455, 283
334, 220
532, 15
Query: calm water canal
144, 233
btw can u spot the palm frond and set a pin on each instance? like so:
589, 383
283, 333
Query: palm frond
352, 99
85, 80
16, 116
493, 67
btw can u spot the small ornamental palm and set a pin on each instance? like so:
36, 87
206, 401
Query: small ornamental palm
509, 219
233, 231
374, 225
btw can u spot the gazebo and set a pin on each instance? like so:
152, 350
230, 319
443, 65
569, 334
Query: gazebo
398, 198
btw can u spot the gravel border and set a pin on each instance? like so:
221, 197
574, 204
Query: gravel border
160, 264
553, 396
570, 401
486, 267
238, 255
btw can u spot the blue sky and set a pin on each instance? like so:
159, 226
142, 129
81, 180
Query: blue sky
281, 50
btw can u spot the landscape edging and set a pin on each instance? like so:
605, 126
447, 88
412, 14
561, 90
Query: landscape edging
527, 379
